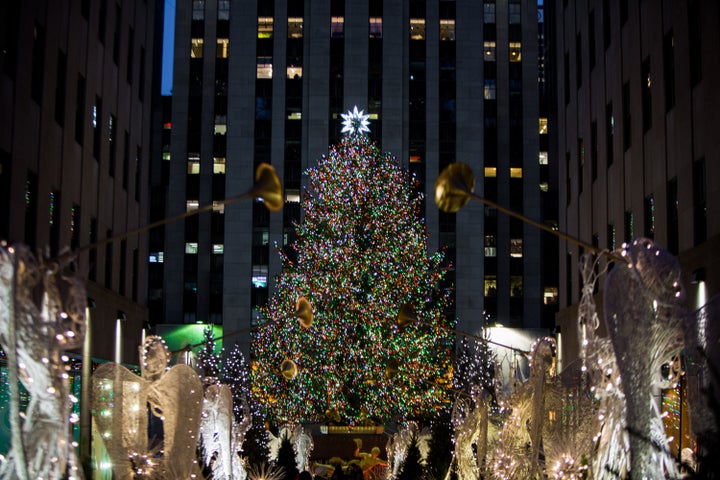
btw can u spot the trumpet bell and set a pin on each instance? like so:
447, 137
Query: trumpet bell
406, 316
289, 369
391, 369
453, 187
303, 312
267, 186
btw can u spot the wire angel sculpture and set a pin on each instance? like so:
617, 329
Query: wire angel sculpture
120, 402
470, 421
644, 313
42, 314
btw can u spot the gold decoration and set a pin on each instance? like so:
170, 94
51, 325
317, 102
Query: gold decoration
406, 316
391, 369
303, 312
289, 369
267, 186
454, 187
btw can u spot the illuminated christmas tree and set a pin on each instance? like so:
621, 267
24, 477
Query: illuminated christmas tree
361, 256
208, 362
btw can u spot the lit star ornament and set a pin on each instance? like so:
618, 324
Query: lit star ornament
355, 122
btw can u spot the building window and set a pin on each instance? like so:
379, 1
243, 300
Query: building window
191, 248
218, 207
515, 51
220, 125
489, 12
193, 163
80, 110
489, 51
543, 125
75, 222
375, 29
673, 216
627, 116
669, 70
490, 172
591, 40
514, 13
38, 63
581, 163
490, 287
447, 29
60, 87
516, 286
609, 133
294, 72
543, 158
130, 55
611, 236
629, 226
259, 276
699, 202
646, 95
219, 165
550, 295
650, 216
97, 127
223, 9
196, 47
490, 89
222, 48
544, 187
417, 29
264, 67
337, 27
295, 27
198, 9
192, 205
112, 125
490, 246
218, 248
516, 172
516, 247
265, 27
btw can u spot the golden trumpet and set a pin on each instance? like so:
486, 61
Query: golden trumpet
303, 312
267, 186
454, 187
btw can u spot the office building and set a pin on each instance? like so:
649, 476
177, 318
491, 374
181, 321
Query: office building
442, 80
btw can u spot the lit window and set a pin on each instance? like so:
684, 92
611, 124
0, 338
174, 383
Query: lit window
415, 159
447, 29
218, 248
193, 166
294, 72
489, 51
222, 47
192, 205
550, 295
515, 172
542, 122
337, 27
375, 27
196, 48
218, 207
220, 124
292, 195
265, 27
295, 27
417, 29
516, 245
490, 248
223, 9
218, 165
264, 67
490, 289
191, 248
489, 12
198, 9
543, 158
490, 172
514, 13
515, 51
156, 257
544, 187
166, 156
259, 276
294, 116
490, 89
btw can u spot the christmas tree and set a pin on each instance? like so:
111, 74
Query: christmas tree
361, 257
475, 368
412, 467
208, 363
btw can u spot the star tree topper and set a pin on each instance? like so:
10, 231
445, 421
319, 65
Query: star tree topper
355, 122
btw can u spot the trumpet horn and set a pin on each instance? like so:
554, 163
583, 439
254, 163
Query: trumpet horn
303, 312
267, 186
406, 316
454, 187
289, 369
391, 369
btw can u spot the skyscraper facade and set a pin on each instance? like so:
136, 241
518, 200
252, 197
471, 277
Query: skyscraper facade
75, 106
443, 81
637, 105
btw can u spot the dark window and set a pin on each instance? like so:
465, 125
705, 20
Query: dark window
591, 39
606, 24
593, 150
80, 110
5, 178
568, 183
54, 209
646, 95
125, 160
31, 206
566, 77
60, 88
141, 79
623, 11
611, 237
581, 163
75, 225
85, 9
123, 266
627, 116
112, 127
694, 47
629, 226
138, 160
135, 260
699, 202
101, 21
649, 220
672, 216
669, 70
38, 63
109, 262
609, 133
8, 38
131, 48
578, 59
116, 36
92, 261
